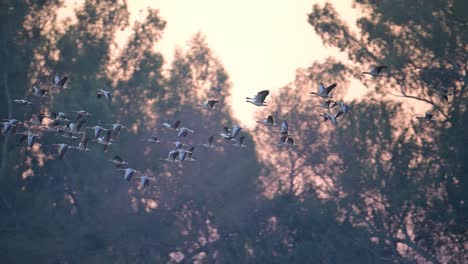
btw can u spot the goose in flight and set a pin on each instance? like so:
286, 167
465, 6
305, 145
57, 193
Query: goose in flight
118, 161
290, 142
129, 173
107, 94
173, 154
178, 145
327, 104
210, 104
59, 81
38, 92
97, 131
144, 182
284, 129
183, 132
190, 153
10, 124
60, 116
75, 128
375, 71
231, 134
344, 108
183, 153
81, 114
153, 140
332, 118
324, 92
428, 117
31, 137
116, 128
22, 101
210, 143
240, 143
269, 121
259, 99
83, 145
106, 140
173, 126
63, 148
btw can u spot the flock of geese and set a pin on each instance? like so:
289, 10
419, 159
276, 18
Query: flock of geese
72, 127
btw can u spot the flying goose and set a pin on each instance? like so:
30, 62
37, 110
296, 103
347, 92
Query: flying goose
60, 81
332, 118
183, 153
190, 153
129, 173
259, 99
269, 121
284, 129
63, 148
178, 145
116, 128
183, 132
83, 145
240, 143
144, 181
81, 114
75, 128
344, 108
173, 126
375, 71
38, 92
59, 116
118, 161
210, 143
428, 117
106, 140
210, 104
327, 104
22, 101
31, 137
10, 124
231, 134
97, 131
173, 154
290, 142
324, 92
153, 140
100, 93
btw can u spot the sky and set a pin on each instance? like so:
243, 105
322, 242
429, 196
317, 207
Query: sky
261, 43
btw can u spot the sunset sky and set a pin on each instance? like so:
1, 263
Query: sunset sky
261, 43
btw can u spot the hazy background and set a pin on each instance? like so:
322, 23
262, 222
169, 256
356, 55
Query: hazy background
381, 187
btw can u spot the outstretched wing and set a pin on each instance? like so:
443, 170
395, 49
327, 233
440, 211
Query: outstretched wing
270, 120
284, 127
235, 130
379, 68
210, 140
241, 140
261, 96
211, 103
330, 88
176, 124
62, 81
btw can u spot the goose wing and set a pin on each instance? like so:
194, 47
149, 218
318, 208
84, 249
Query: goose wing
284, 127
235, 130
330, 88
270, 120
261, 96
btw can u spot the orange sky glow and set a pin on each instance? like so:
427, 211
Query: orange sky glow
261, 43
